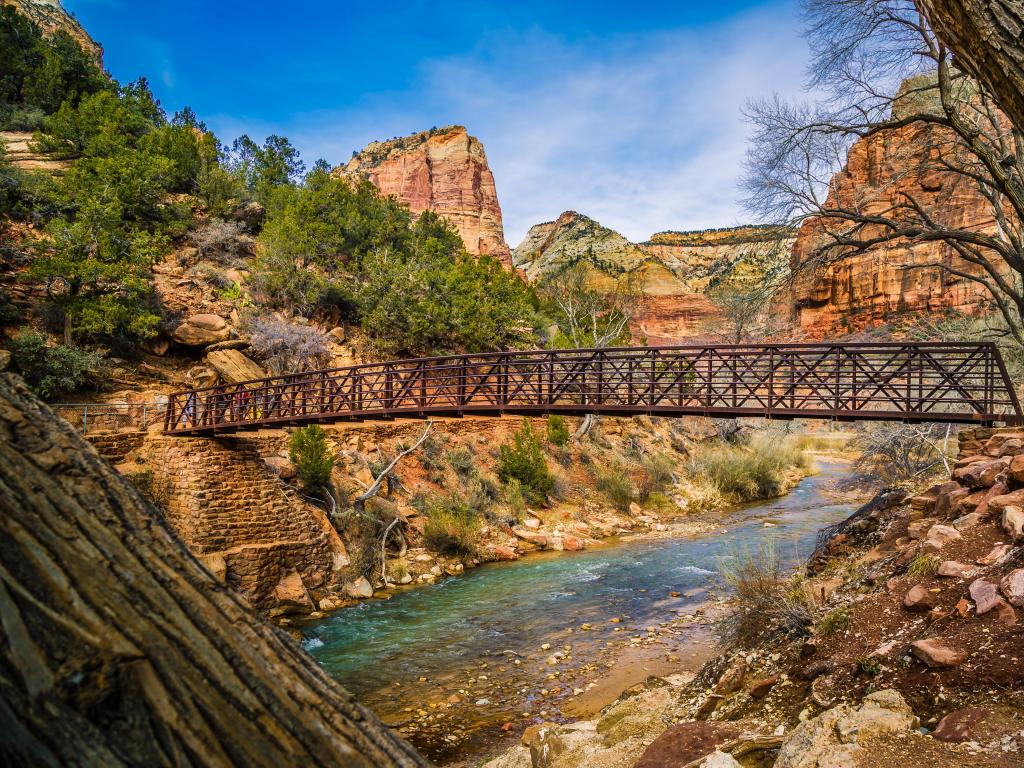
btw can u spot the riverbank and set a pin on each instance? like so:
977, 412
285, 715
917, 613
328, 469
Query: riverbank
908, 652
461, 667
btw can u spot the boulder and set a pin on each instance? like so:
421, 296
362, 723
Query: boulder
1012, 587
937, 653
1013, 523
732, 678
996, 490
953, 569
685, 742
229, 344
830, 738
918, 600
201, 330
499, 552
200, 377
337, 334
1012, 499
281, 467
642, 716
998, 552
980, 474
360, 588
960, 725
761, 688
985, 595
720, 760
965, 522
290, 591
949, 496
1016, 469
250, 215
233, 366
530, 537
940, 535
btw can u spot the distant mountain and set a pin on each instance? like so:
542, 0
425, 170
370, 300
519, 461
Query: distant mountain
672, 269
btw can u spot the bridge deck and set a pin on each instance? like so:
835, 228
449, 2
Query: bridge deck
924, 382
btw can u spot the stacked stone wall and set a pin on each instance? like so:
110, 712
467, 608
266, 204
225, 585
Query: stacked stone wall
239, 517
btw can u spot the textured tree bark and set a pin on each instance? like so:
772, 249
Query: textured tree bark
987, 37
118, 648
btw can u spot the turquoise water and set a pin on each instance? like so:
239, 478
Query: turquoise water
381, 649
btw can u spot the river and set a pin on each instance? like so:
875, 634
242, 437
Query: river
451, 663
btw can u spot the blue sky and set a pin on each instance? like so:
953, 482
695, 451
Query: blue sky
628, 112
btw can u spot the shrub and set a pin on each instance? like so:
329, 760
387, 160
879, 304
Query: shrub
617, 486
461, 461
558, 430
523, 460
452, 527
835, 620
52, 371
312, 456
657, 475
768, 601
923, 565
288, 347
515, 500
746, 473
217, 240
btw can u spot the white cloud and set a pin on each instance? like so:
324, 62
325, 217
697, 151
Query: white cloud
641, 133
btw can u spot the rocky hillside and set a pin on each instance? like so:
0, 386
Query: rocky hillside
870, 288
442, 170
51, 17
673, 270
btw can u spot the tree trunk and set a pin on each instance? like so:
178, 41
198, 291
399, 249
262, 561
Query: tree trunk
987, 38
118, 648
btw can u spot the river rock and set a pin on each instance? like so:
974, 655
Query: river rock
985, 595
997, 553
940, 535
830, 738
685, 742
201, 330
918, 600
1012, 586
952, 569
360, 588
936, 652
291, 592
732, 678
761, 688
517, 757
1013, 523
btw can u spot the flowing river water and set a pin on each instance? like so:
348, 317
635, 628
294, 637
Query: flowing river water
554, 636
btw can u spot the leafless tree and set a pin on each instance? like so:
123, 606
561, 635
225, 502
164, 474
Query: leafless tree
879, 68
896, 453
287, 347
590, 317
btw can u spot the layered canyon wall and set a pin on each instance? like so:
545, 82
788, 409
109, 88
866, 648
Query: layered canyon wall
443, 170
897, 279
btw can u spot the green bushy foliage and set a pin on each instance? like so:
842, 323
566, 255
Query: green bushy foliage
312, 456
52, 371
523, 460
452, 527
558, 430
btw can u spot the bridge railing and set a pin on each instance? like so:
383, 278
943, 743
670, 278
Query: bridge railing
953, 382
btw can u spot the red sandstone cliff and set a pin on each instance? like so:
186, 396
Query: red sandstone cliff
873, 287
442, 170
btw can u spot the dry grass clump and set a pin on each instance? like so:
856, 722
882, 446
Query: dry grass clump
760, 470
452, 527
769, 600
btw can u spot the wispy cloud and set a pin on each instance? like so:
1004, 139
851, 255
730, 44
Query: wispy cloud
643, 133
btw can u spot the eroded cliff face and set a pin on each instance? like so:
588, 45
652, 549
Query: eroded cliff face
891, 279
51, 17
673, 270
442, 170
